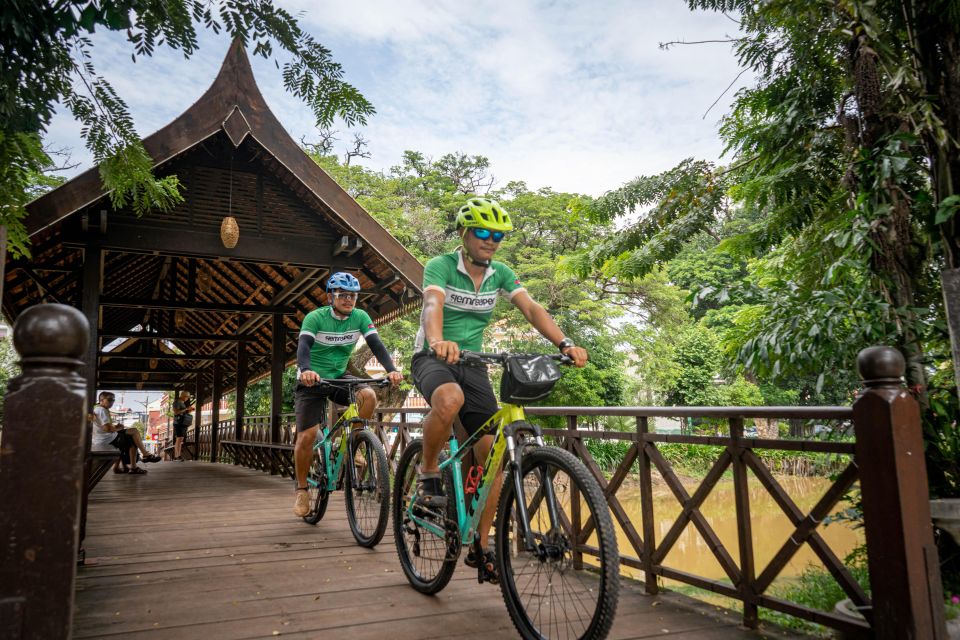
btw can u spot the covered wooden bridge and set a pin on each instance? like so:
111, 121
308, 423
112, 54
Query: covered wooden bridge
201, 550
210, 295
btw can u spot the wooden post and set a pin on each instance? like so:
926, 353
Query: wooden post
278, 356
576, 517
197, 415
41, 474
646, 508
241, 402
215, 411
741, 490
904, 569
90, 307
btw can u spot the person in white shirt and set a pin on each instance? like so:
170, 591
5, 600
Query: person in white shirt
108, 434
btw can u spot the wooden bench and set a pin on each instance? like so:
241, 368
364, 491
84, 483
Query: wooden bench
188, 450
96, 466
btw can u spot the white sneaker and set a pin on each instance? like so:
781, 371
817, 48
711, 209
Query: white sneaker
301, 507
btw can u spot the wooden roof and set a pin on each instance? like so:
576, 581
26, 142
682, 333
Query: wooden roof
170, 274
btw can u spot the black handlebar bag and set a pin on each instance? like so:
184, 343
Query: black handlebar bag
528, 378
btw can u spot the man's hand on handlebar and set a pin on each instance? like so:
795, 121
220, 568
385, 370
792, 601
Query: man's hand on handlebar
395, 377
578, 355
446, 350
309, 378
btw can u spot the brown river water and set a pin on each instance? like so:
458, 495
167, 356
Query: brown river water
771, 527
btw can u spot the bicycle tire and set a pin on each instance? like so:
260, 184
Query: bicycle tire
428, 570
369, 507
317, 488
585, 600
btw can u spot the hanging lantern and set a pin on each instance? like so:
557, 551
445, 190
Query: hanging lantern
229, 232
179, 318
153, 363
204, 281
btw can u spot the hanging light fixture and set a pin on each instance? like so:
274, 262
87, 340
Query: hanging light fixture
229, 229
153, 363
179, 318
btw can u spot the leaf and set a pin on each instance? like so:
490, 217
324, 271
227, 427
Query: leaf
948, 207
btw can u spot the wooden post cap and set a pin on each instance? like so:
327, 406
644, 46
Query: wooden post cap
51, 331
881, 366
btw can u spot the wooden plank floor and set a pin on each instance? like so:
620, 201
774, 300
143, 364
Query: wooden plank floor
211, 551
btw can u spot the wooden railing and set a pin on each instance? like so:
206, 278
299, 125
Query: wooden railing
882, 418
40, 512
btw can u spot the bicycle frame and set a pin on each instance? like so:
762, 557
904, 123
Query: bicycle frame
468, 516
325, 442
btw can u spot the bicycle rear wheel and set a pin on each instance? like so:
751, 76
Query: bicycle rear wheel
317, 488
368, 503
427, 560
545, 595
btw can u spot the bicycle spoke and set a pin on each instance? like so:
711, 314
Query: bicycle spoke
554, 599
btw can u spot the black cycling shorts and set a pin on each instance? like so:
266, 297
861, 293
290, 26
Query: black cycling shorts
179, 429
479, 403
310, 403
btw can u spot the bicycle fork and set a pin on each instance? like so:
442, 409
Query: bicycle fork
516, 464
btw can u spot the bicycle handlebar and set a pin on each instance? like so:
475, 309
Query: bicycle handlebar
349, 382
500, 358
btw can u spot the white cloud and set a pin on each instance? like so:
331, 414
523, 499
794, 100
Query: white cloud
577, 96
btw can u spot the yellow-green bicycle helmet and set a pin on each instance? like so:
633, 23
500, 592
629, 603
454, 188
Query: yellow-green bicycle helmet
484, 213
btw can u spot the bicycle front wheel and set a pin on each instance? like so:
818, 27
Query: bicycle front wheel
317, 488
546, 596
427, 559
368, 497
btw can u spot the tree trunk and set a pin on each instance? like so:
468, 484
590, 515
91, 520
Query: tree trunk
893, 258
386, 397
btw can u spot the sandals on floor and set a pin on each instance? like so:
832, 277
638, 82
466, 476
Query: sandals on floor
151, 458
137, 471
120, 470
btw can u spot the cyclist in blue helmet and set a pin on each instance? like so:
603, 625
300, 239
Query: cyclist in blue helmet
328, 336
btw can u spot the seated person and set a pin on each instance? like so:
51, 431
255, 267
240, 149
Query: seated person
106, 433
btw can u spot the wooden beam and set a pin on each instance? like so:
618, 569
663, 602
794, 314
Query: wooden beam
121, 355
147, 236
174, 336
222, 307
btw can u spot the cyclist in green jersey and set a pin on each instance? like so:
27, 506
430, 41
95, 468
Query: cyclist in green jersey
328, 336
460, 290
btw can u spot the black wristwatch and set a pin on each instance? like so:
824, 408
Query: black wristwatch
566, 342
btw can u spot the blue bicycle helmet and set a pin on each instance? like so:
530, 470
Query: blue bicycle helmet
343, 280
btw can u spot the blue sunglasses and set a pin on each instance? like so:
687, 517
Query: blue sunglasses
486, 234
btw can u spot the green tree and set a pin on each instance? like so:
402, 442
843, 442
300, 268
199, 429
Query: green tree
47, 60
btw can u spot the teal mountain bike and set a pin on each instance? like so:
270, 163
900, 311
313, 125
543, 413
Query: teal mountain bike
349, 456
545, 490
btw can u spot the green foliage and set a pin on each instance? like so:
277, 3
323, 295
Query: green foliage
9, 368
47, 60
258, 394
818, 589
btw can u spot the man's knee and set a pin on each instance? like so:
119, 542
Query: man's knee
447, 400
306, 438
367, 397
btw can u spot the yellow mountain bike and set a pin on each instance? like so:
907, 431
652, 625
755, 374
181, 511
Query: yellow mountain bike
547, 597
356, 463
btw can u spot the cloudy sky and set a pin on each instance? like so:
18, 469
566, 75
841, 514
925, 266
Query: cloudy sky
577, 96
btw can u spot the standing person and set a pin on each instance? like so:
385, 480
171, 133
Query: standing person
328, 336
125, 439
460, 290
181, 418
